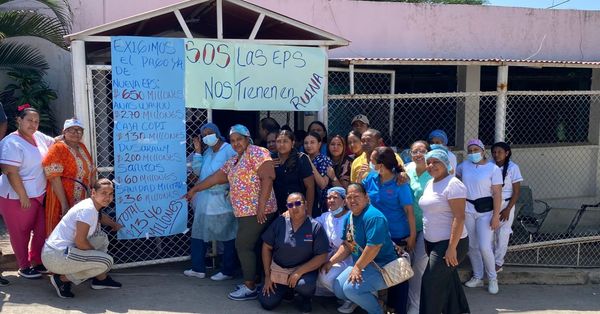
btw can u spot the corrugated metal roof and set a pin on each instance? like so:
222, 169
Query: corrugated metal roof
470, 61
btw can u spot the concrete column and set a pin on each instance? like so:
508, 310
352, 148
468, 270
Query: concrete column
467, 111
502, 89
594, 122
80, 89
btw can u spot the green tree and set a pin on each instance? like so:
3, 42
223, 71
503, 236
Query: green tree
478, 2
15, 55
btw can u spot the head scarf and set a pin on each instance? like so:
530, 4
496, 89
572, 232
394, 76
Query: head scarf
241, 130
212, 127
339, 190
439, 134
476, 142
441, 156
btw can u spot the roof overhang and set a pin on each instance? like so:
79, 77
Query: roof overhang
232, 20
456, 62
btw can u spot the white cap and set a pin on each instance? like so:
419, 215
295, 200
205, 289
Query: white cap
71, 123
361, 118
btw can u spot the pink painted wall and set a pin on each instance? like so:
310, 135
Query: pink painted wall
385, 29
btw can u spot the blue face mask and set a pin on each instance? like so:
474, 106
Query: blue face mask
210, 140
372, 168
438, 146
475, 157
336, 212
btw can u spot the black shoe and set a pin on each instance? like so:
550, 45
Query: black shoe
41, 269
4, 282
63, 289
29, 273
289, 295
107, 283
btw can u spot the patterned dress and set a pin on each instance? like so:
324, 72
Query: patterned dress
69, 164
321, 162
244, 182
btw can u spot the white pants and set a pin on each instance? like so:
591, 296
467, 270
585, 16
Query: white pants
325, 280
502, 235
481, 237
419, 263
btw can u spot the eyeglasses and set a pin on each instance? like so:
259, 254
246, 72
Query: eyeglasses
294, 204
73, 130
418, 152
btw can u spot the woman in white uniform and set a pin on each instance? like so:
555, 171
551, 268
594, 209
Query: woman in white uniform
511, 188
484, 199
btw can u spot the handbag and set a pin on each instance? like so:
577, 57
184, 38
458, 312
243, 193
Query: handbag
394, 272
483, 204
281, 275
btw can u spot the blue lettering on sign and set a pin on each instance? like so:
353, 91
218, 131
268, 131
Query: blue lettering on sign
149, 136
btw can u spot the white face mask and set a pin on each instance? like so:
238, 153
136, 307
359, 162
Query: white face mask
210, 140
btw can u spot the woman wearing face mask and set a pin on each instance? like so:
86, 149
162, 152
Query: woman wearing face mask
213, 214
333, 224
250, 174
320, 163
293, 172
395, 202
439, 139
417, 172
511, 188
484, 198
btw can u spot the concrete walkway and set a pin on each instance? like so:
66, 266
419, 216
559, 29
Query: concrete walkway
164, 289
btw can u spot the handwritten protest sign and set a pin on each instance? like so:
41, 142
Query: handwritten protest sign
240, 76
149, 136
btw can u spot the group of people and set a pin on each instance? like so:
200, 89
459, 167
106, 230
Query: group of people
50, 201
316, 215
320, 215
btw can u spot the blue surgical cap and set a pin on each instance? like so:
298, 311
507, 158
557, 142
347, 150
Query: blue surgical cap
439, 134
339, 190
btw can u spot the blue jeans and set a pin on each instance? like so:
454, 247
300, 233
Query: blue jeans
363, 294
199, 254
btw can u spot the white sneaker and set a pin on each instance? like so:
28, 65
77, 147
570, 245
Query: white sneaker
191, 273
220, 277
493, 286
474, 283
243, 293
347, 307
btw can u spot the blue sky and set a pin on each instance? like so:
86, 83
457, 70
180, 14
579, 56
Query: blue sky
572, 4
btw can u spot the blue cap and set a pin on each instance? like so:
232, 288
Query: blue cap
339, 190
441, 156
439, 134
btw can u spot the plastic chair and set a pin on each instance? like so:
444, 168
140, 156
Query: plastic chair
532, 213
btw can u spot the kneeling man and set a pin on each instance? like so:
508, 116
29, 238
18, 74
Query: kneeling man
76, 249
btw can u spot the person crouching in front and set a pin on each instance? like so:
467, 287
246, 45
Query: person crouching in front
76, 249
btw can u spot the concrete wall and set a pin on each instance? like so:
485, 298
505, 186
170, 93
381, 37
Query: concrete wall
386, 29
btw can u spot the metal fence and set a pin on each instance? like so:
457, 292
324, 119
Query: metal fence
554, 137
553, 142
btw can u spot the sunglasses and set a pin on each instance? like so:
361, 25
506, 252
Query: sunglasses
294, 204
